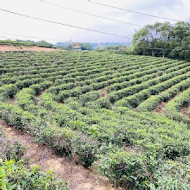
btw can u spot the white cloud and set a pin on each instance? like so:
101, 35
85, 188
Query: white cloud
176, 9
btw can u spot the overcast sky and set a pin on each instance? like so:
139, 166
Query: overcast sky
11, 24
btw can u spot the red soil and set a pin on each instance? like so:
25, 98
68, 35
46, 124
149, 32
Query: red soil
26, 48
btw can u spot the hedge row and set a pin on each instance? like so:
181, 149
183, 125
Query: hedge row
152, 102
139, 93
172, 109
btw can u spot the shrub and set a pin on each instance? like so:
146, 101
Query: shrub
128, 170
8, 91
104, 103
10, 150
172, 175
14, 175
40, 87
90, 96
66, 142
15, 116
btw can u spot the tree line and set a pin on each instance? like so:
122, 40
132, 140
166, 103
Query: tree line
26, 43
163, 39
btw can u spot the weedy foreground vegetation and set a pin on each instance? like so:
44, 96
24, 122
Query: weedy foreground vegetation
15, 172
99, 109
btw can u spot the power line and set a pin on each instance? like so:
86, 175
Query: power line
90, 14
136, 12
4, 37
63, 24
25, 37
33, 37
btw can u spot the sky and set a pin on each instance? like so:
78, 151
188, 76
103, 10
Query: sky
12, 25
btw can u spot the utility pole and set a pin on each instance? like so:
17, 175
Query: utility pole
71, 43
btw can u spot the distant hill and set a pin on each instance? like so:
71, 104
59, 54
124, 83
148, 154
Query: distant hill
93, 45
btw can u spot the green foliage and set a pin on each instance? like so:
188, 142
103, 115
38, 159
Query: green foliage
137, 171
151, 103
173, 107
8, 149
92, 107
26, 43
86, 46
90, 96
8, 91
163, 39
104, 103
15, 116
13, 151
25, 98
14, 175
126, 169
38, 88
172, 175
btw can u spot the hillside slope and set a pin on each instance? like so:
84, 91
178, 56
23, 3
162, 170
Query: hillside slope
99, 109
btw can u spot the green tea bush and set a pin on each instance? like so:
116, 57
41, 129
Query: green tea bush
25, 98
14, 175
66, 142
90, 96
132, 170
173, 107
38, 88
8, 149
172, 175
8, 91
128, 170
104, 103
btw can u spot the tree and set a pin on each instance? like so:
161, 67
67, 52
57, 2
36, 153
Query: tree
153, 39
86, 46
163, 39
44, 44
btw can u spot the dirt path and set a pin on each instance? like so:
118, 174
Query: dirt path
37, 97
160, 107
78, 177
12, 101
26, 48
103, 93
185, 110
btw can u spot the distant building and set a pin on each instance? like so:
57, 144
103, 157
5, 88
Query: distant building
77, 47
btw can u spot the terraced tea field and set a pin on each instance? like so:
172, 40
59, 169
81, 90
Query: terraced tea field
126, 116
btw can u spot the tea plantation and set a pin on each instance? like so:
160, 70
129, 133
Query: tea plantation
100, 109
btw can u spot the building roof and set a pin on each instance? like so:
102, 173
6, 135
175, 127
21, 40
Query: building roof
77, 46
